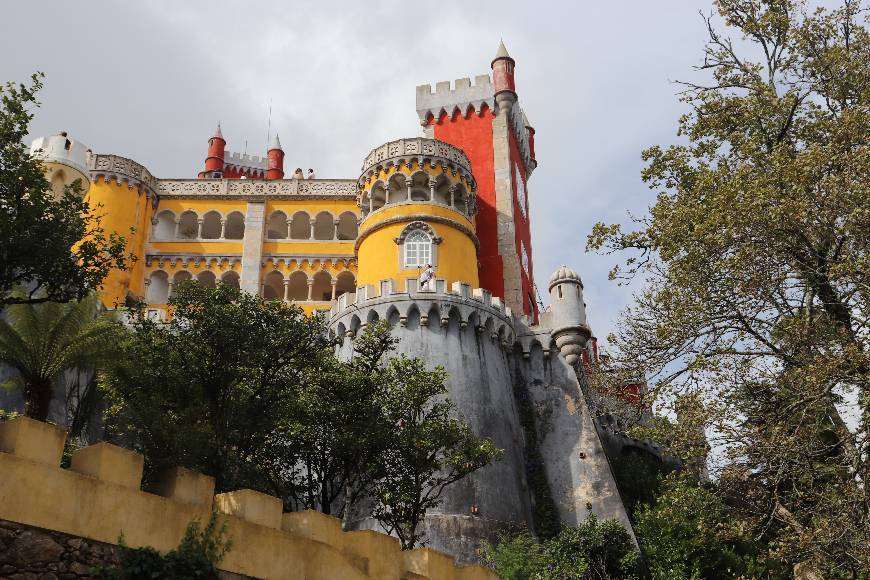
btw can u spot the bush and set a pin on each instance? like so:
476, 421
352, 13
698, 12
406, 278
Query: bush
197, 556
594, 549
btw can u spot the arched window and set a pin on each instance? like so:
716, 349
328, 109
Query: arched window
158, 288
418, 249
524, 257
211, 226
521, 191
164, 229
234, 229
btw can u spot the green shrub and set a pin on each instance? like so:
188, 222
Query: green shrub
197, 556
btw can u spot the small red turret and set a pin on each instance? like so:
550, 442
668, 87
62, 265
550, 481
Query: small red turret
275, 155
503, 78
530, 131
214, 163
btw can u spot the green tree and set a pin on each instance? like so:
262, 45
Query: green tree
215, 389
689, 533
593, 550
42, 341
52, 248
430, 448
340, 425
755, 261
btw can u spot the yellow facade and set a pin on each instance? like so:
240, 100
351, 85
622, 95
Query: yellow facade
125, 210
380, 256
301, 241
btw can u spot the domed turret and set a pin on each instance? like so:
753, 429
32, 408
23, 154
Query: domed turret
64, 159
570, 330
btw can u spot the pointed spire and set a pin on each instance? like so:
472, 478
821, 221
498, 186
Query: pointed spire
502, 51
217, 132
276, 143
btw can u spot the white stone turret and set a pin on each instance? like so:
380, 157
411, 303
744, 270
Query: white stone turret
65, 160
568, 314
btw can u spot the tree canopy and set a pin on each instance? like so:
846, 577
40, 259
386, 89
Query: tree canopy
754, 257
52, 248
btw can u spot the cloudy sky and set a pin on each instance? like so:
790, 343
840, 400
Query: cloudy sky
150, 80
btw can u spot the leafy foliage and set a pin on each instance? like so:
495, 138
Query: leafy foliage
429, 448
43, 340
595, 549
250, 392
215, 388
689, 533
52, 248
755, 257
197, 556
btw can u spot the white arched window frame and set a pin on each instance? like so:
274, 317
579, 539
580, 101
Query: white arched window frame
524, 256
521, 191
417, 246
418, 249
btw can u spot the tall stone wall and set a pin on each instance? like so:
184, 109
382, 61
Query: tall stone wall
575, 460
468, 335
475, 338
99, 498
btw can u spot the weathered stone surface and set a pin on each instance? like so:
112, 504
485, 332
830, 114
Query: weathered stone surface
31, 547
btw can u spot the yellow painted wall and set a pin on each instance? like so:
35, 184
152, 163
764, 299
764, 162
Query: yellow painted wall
378, 254
99, 498
127, 212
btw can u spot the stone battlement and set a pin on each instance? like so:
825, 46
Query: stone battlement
462, 96
245, 161
461, 303
99, 498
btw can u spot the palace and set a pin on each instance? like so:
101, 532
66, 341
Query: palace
455, 197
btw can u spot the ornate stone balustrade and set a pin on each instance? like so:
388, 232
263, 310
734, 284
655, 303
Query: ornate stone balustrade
121, 169
419, 149
258, 188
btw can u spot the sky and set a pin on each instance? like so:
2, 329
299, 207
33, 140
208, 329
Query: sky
150, 81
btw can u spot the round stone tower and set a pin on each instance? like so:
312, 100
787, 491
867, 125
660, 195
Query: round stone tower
417, 200
417, 204
65, 160
568, 314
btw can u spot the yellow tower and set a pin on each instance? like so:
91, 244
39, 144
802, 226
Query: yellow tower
417, 200
123, 193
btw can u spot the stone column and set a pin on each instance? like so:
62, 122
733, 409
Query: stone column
335, 230
432, 183
286, 290
310, 288
311, 221
199, 228
410, 182
334, 282
504, 206
252, 246
223, 232
177, 227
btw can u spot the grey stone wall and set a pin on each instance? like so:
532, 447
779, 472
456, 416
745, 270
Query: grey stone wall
28, 553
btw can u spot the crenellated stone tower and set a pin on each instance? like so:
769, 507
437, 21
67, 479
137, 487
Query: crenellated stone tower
486, 121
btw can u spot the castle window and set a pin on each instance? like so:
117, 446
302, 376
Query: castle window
524, 256
521, 191
418, 249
